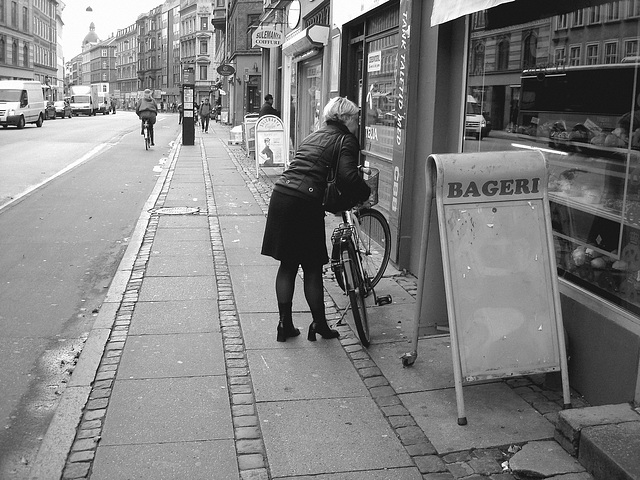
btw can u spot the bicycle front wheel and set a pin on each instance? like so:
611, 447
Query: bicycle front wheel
356, 291
374, 243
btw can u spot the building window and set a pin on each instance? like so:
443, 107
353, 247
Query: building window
203, 72
631, 48
14, 14
592, 54
634, 8
578, 18
204, 23
477, 67
503, 54
25, 54
529, 52
610, 52
25, 19
613, 11
104, 52
204, 47
559, 56
574, 55
562, 22
2, 11
3, 52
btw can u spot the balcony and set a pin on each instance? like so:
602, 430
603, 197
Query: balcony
219, 19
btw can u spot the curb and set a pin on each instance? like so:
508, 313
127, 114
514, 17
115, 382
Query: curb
56, 444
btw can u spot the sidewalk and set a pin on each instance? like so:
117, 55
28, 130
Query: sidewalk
182, 377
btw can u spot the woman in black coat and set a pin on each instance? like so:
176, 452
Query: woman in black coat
295, 231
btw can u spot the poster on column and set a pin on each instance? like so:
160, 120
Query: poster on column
270, 146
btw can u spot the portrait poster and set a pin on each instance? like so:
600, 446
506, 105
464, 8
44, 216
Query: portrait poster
270, 149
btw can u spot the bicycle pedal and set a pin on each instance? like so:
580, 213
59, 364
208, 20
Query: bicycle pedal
384, 300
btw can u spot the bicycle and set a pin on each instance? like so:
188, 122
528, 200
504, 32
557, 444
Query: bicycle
145, 132
360, 255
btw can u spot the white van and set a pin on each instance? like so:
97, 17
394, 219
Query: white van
21, 102
475, 124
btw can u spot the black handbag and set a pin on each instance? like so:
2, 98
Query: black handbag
334, 199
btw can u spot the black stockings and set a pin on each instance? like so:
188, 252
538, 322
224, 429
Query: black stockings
313, 291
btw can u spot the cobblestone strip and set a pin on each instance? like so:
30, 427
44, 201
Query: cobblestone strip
250, 449
471, 465
80, 459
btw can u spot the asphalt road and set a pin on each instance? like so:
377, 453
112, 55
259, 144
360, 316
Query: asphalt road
70, 195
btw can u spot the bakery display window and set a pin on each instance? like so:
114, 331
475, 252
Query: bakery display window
583, 111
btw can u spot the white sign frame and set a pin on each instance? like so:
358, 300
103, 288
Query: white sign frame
270, 145
498, 263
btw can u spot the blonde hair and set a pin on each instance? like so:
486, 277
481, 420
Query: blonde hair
340, 109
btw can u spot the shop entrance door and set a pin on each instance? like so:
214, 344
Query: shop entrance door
253, 99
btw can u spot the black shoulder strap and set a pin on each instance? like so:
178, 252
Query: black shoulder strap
334, 170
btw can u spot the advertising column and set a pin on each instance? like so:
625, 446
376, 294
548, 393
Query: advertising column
188, 127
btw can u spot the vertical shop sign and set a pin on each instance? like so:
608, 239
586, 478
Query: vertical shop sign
401, 103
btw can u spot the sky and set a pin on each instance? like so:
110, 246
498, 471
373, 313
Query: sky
108, 16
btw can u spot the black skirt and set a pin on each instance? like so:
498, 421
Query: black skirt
295, 231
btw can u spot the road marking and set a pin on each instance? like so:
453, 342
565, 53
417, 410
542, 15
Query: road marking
93, 152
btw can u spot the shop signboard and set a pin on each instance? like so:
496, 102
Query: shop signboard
270, 145
225, 70
498, 262
266, 36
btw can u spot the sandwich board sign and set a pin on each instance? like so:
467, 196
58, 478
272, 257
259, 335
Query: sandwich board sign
498, 262
270, 147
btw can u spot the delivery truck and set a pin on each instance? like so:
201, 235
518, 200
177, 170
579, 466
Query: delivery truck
84, 99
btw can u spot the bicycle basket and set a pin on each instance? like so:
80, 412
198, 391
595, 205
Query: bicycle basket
371, 179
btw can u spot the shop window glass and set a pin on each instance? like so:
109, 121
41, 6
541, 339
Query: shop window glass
576, 98
380, 87
309, 97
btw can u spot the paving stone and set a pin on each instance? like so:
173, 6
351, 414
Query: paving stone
430, 464
544, 459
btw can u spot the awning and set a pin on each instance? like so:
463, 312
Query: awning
446, 10
502, 13
315, 36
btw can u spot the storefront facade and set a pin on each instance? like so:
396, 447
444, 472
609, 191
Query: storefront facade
527, 68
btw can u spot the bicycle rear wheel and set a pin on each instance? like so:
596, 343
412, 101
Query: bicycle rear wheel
147, 141
374, 243
356, 291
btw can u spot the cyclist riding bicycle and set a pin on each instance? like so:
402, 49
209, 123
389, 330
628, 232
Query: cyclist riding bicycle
147, 109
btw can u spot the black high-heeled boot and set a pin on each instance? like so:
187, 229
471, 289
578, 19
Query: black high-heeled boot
323, 329
285, 326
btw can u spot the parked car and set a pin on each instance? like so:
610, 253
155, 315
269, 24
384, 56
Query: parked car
63, 109
49, 111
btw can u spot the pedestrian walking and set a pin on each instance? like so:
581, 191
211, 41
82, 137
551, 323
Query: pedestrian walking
295, 231
180, 113
205, 113
267, 107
